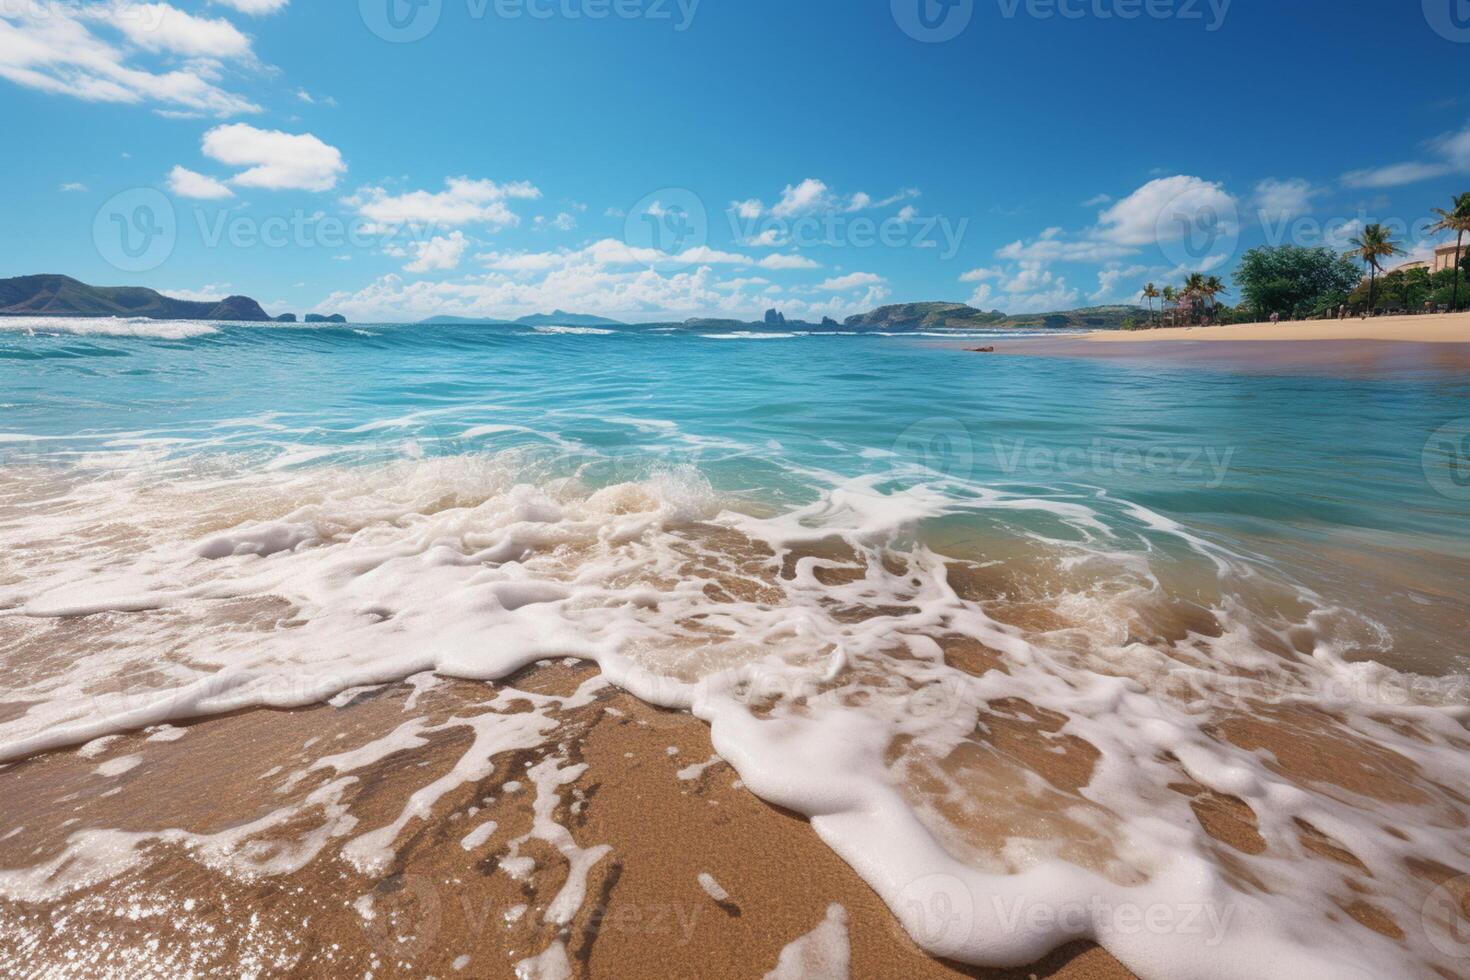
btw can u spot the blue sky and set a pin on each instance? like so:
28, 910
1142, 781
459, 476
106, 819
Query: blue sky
672, 158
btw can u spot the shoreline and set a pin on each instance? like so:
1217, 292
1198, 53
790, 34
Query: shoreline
1447, 328
1437, 344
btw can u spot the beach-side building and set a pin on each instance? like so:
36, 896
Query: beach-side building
1444, 258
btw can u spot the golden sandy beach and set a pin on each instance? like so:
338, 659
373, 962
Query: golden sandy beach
1354, 348
1445, 329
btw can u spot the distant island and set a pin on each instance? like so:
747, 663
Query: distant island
556, 318
57, 295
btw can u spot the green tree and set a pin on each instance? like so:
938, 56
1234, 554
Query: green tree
1293, 280
1457, 220
1373, 245
1211, 290
1150, 293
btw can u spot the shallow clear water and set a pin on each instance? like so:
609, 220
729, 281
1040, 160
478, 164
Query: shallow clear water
1003, 627
1274, 466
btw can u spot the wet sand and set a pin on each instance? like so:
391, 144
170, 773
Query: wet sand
442, 904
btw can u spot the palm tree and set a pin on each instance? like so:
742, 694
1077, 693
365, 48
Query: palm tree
1457, 220
1213, 287
1150, 293
1373, 244
1194, 288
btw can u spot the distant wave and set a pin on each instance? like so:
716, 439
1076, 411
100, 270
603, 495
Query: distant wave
748, 335
109, 326
589, 331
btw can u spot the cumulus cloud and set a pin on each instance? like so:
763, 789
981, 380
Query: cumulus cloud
1143, 217
842, 284
1050, 248
50, 47
1282, 200
780, 261
186, 183
813, 196
462, 202
442, 254
275, 160
162, 27
809, 196
1030, 289
256, 8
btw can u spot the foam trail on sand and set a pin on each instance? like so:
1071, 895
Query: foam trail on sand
1009, 769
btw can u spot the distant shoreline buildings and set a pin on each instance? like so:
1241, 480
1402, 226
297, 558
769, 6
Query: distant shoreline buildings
1444, 259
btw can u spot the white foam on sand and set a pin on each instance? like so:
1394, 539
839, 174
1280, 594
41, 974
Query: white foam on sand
822, 954
453, 567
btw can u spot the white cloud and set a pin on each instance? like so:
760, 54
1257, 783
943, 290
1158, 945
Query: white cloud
1032, 289
187, 183
305, 96
770, 238
803, 198
73, 188
748, 210
980, 275
1107, 284
1141, 218
1098, 201
161, 27
842, 284
860, 202
276, 161
49, 47
1395, 175
564, 221
442, 254
1049, 248
212, 293
1282, 200
1452, 149
779, 261
906, 194
255, 8
907, 214
463, 202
